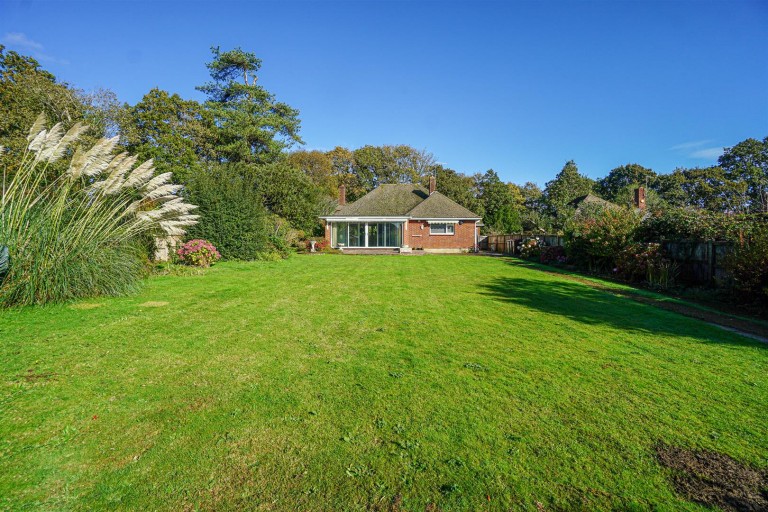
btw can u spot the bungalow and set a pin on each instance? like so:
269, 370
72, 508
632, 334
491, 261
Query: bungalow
402, 217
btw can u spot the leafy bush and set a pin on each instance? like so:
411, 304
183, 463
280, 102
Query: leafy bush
198, 253
596, 238
553, 254
747, 264
694, 224
646, 262
289, 193
78, 232
233, 217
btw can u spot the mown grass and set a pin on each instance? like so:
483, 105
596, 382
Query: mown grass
352, 383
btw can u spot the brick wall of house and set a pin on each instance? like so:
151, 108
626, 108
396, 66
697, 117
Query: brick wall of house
418, 237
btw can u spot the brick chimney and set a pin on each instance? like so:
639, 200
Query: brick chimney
640, 198
432, 185
342, 195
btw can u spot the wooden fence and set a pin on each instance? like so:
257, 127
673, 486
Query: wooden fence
701, 262
507, 244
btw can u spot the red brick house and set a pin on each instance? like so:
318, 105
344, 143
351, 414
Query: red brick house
403, 218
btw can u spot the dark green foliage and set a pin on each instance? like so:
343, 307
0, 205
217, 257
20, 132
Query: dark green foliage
457, 186
290, 194
377, 165
567, 186
233, 217
501, 202
318, 167
597, 234
252, 126
93, 269
747, 263
622, 178
26, 90
176, 133
708, 188
695, 224
747, 164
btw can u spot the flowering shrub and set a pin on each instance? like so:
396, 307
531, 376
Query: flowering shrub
530, 249
320, 245
200, 253
553, 254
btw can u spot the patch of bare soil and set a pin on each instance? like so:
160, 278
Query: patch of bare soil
153, 304
715, 479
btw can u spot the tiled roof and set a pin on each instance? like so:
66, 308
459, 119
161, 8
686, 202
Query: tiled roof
404, 201
385, 201
590, 199
438, 206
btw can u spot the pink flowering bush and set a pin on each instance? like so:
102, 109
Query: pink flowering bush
200, 253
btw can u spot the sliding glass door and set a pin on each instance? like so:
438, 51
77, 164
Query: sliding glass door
384, 234
366, 234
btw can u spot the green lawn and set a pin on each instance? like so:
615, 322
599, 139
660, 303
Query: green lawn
340, 383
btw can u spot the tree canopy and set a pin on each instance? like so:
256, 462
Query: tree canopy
252, 126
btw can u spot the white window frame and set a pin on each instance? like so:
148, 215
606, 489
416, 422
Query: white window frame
446, 224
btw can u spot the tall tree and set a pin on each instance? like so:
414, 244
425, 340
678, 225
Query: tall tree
457, 186
289, 193
377, 165
629, 175
747, 162
502, 204
26, 90
567, 186
318, 167
343, 171
708, 188
176, 133
253, 126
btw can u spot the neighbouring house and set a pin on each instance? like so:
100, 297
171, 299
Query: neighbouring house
582, 202
402, 218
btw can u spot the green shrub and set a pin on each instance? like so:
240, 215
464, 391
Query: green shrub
646, 262
597, 236
747, 264
78, 232
694, 224
233, 217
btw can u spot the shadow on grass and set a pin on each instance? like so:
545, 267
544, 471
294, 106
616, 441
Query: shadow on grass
595, 307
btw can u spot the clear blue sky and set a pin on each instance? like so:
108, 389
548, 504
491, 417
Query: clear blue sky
520, 87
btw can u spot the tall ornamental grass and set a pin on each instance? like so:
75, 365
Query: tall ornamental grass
76, 230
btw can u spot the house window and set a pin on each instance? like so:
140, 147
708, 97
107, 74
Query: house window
441, 229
